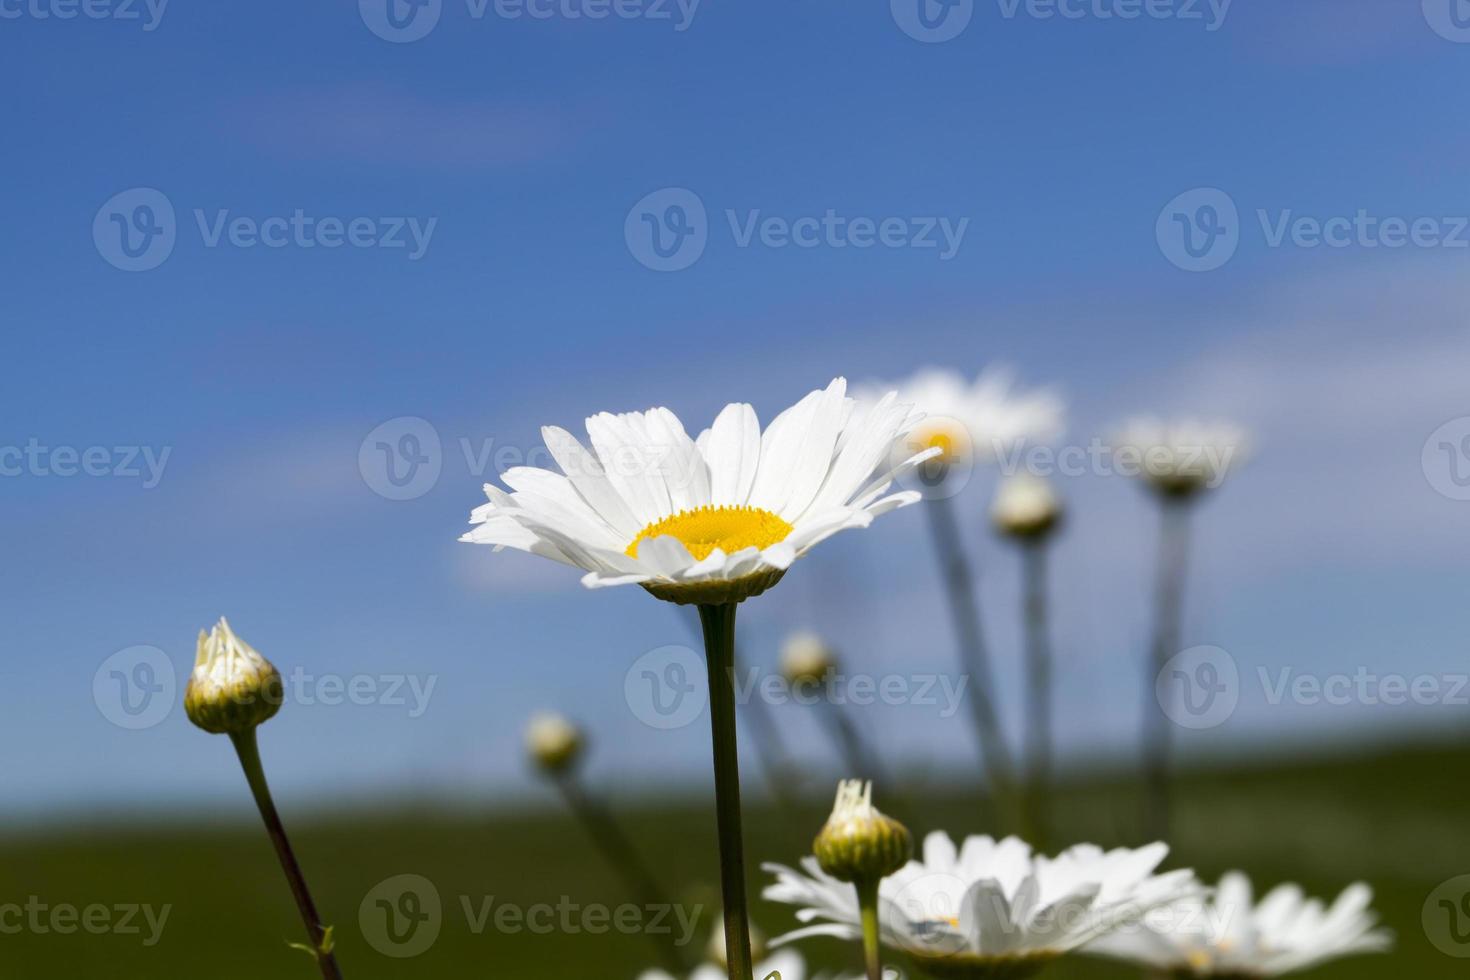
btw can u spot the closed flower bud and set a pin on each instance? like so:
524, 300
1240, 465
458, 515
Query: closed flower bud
1026, 508
805, 659
859, 843
232, 689
553, 742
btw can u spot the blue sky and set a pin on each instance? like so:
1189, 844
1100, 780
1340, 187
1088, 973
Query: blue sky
526, 142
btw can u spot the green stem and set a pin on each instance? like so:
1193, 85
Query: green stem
618, 851
248, 750
1169, 607
775, 761
1038, 689
719, 647
965, 610
868, 905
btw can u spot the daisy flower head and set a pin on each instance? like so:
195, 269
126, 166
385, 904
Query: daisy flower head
970, 422
1230, 935
553, 742
1180, 458
707, 520
1025, 508
806, 658
989, 909
232, 688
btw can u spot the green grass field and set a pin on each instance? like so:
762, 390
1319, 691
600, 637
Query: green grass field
1397, 820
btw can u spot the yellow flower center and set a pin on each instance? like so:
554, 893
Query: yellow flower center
946, 434
730, 529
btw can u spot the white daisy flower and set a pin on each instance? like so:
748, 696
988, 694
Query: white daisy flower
1230, 936
1181, 457
979, 420
989, 909
709, 520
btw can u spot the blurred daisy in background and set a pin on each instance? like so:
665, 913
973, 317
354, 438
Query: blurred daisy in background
976, 421
1178, 460
989, 420
1182, 457
989, 908
1230, 936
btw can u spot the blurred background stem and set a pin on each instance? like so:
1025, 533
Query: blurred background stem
1173, 560
619, 852
775, 761
248, 749
1038, 693
964, 606
857, 757
718, 622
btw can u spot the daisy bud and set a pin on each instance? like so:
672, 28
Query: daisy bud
232, 689
859, 843
553, 742
1025, 508
806, 659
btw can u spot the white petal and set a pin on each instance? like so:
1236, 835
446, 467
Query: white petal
733, 451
